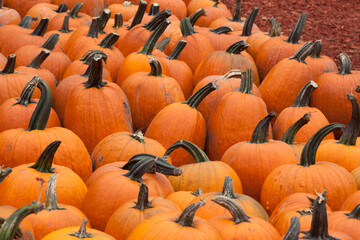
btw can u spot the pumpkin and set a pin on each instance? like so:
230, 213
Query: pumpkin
253, 160
132, 213
91, 7
347, 222
290, 115
177, 226
309, 176
74, 233
8, 30
87, 102
212, 13
36, 137
23, 6
356, 174
8, 15
16, 112
127, 9
248, 25
178, 7
118, 26
77, 18
240, 225
351, 202
183, 121
221, 38
42, 10
54, 216
221, 134
184, 198
71, 188
278, 98
194, 5
204, 174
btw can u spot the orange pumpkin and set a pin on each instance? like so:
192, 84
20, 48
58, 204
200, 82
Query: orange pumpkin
194, 5
184, 198
8, 15
42, 10
347, 222
212, 13
127, 9
356, 174
178, 7
351, 202
248, 25
8, 30
23, 6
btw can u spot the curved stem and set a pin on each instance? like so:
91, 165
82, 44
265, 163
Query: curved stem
195, 99
352, 130
39, 59
309, 151
302, 53
261, 132
161, 45
154, 37
294, 230
96, 72
238, 214
228, 188
355, 213
290, 134
26, 22
345, 64
177, 50
143, 198
138, 136
109, 40
238, 47
88, 57
275, 29
118, 21
40, 30
74, 12
51, 202
296, 32
63, 7
249, 22
154, 9
82, 231
94, 28
51, 42
156, 70
4, 173
196, 15
140, 168
186, 27
221, 30
157, 19
237, 12
195, 151
186, 218
41, 114
247, 82
316, 49
44, 162
139, 14
10, 65
303, 98
233, 73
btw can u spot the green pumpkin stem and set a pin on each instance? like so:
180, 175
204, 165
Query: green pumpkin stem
63, 7
109, 40
139, 14
195, 99
316, 49
249, 22
345, 64
221, 30
40, 30
261, 132
51, 42
104, 18
302, 53
81, 234
154, 9
156, 70
161, 45
197, 192
177, 50
10, 65
143, 198
238, 47
196, 15
74, 12
94, 28
186, 27
294, 229
96, 72
39, 59
237, 12
51, 202
118, 21
41, 114
355, 213
237, 213
140, 168
10, 227
290, 134
296, 32
186, 218
303, 98
88, 56
4, 173
247, 82
138, 136
26, 22
351, 132
275, 29
154, 37
195, 151
44, 162
228, 188
65, 26
309, 151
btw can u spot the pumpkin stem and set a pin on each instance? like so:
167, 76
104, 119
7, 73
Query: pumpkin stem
195, 99
237, 213
51, 202
74, 12
233, 73
10, 65
138, 135
26, 22
237, 12
238, 47
198, 154
10, 227
357, 89
275, 29
161, 45
186, 27
118, 21
139, 14
88, 56
51, 42
221, 30
316, 49
261, 132
249, 22
63, 7
228, 188
196, 15
154, 9
143, 198
96, 72
40, 116
296, 32
82, 231
104, 18
290, 134
40, 30
186, 218
177, 50
294, 229
309, 152
154, 37
44, 162
355, 213
140, 168
109, 40
65, 26
345, 64
302, 53
303, 98
351, 132
197, 192
94, 28
247, 82
319, 222
39, 59
4, 173
156, 70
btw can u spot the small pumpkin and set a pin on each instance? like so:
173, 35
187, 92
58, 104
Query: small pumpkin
128, 9
184, 198
212, 13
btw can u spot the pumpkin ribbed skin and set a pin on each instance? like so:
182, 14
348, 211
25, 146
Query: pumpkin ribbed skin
344, 221
356, 174
23, 6
65, 234
351, 202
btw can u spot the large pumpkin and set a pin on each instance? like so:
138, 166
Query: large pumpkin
347, 222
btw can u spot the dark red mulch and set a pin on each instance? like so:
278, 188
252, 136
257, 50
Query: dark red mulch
335, 22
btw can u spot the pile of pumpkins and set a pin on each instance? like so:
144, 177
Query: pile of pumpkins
172, 119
